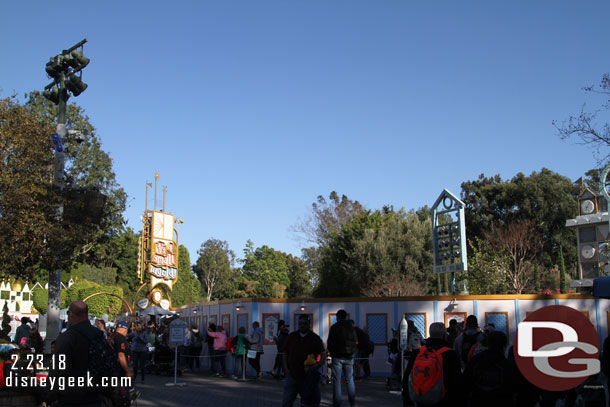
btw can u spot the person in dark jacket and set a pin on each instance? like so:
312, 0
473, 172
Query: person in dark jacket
341, 345
489, 378
280, 342
74, 344
452, 375
35, 342
364, 350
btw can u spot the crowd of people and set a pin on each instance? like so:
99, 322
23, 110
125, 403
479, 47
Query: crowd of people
455, 366
478, 369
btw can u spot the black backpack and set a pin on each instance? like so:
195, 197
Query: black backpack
489, 379
347, 341
102, 360
468, 342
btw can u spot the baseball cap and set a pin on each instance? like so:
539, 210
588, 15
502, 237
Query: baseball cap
122, 324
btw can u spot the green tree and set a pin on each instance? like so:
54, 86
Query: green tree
373, 248
486, 268
544, 198
187, 289
121, 252
28, 201
326, 217
213, 267
300, 280
268, 268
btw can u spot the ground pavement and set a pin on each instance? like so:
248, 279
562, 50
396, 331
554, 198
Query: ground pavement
202, 389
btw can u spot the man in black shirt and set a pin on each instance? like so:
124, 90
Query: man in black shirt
120, 345
342, 347
303, 356
73, 344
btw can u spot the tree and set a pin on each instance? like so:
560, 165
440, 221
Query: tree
213, 267
121, 252
87, 167
327, 217
544, 198
519, 242
486, 268
394, 285
27, 201
187, 289
268, 268
34, 239
300, 281
584, 125
375, 244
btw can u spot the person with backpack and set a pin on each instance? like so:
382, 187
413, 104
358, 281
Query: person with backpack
341, 345
466, 340
433, 376
489, 378
78, 345
365, 347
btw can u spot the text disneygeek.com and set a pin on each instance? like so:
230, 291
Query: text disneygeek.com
62, 382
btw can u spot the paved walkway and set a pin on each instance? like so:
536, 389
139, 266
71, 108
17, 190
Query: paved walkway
202, 389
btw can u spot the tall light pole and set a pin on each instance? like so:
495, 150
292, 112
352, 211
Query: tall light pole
63, 69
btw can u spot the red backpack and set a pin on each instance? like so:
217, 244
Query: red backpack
426, 385
231, 344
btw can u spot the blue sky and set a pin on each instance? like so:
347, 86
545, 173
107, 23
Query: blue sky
251, 109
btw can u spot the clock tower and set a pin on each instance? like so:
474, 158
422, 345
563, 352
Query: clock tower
591, 227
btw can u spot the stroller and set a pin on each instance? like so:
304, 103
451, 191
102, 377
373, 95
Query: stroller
393, 381
163, 361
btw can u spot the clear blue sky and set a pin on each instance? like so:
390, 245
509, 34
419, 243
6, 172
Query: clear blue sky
250, 109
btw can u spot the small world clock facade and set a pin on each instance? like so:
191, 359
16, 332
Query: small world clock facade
591, 226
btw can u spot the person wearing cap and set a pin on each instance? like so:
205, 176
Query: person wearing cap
118, 341
23, 331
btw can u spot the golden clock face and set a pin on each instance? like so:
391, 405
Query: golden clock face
156, 296
587, 206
